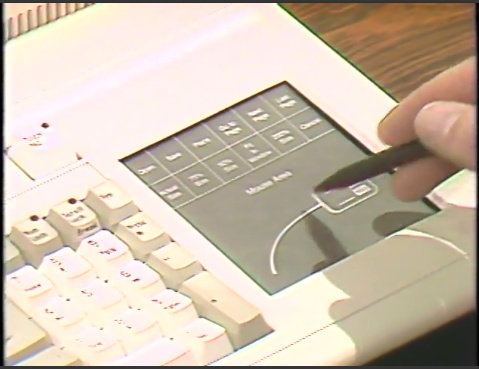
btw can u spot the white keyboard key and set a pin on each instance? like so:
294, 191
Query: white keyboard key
174, 264
96, 346
135, 329
208, 341
102, 302
111, 204
62, 318
163, 352
68, 271
29, 289
35, 238
12, 260
23, 337
105, 252
138, 282
217, 302
142, 234
40, 150
52, 356
172, 311
74, 221
15, 180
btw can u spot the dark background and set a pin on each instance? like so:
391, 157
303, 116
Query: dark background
401, 46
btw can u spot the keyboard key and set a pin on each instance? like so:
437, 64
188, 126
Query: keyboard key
68, 271
74, 221
12, 260
105, 252
23, 337
142, 234
29, 289
40, 150
111, 204
162, 352
135, 329
218, 303
138, 282
172, 311
63, 319
15, 180
208, 341
35, 238
102, 302
52, 356
174, 264
96, 346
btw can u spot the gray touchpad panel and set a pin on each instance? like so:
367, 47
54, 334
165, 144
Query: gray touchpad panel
244, 177
400, 260
456, 225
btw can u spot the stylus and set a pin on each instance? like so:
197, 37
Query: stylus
376, 164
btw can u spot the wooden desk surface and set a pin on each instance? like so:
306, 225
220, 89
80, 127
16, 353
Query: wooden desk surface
400, 46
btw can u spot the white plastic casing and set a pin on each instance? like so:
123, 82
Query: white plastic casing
116, 77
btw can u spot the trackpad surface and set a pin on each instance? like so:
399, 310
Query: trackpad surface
401, 260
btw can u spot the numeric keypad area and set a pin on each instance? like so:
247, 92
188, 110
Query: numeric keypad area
98, 282
228, 146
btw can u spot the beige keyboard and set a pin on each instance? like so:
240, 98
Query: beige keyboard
97, 282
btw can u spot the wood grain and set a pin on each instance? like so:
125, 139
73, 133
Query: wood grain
400, 46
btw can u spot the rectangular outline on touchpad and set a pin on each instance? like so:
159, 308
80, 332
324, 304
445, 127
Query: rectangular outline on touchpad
349, 203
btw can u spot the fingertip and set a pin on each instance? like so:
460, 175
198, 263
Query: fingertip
395, 128
414, 181
383, 129
384, 135
449, 129
400, 186
456, 84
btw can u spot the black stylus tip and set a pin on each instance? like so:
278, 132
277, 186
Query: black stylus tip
340, 179
374, 165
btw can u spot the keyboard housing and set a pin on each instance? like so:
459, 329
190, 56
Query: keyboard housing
139, 74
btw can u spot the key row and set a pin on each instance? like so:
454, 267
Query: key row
126, 329
102, 254
68, 223
134, 336
131, 284
118, 260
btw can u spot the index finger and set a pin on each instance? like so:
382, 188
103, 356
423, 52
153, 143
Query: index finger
456, 84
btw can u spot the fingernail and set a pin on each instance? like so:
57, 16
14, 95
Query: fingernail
435, 120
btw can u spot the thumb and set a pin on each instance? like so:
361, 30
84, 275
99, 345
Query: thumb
449, 130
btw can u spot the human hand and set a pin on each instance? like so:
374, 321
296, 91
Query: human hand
442, 114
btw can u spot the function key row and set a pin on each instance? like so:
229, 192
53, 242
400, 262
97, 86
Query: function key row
228, 146
227, 159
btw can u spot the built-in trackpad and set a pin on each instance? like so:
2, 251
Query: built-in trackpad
396, 262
